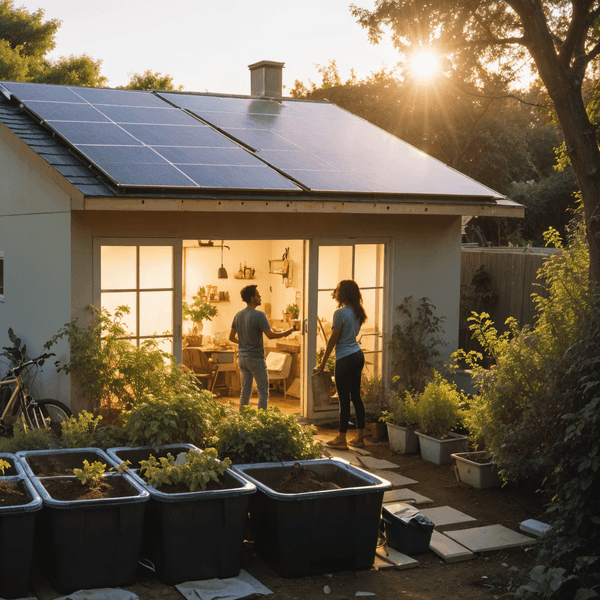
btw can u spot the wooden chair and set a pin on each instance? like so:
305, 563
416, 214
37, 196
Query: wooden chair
278, 366
204, 369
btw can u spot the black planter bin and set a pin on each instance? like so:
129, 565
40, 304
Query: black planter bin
193, 535
87, 544
17, 528
316, 532
406, 529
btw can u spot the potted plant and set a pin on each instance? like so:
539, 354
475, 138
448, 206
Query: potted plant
439, 411
401, 422
91, 531
19, 506
196, 517
292, 312
199, 310
375, 401
478, 469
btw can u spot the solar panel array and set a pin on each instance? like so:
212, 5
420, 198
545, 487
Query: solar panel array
328, 149
144, 139
139, 140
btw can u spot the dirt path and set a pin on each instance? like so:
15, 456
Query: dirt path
432, 580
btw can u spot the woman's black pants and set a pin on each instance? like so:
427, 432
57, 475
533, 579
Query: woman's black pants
348, 372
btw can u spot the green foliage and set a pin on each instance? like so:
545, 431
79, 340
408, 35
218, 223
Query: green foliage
199, 309
373, 394
255, 436
439, 408
404, 409
519, 410
90, 473
480, 294
193, 469
26, 39
330, 360
178, 415
150, 80
110, 370
25, 439
293, 310
15, 354
86, 431
414, 343
4, 464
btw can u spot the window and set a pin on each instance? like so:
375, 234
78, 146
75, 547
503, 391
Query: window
1, 275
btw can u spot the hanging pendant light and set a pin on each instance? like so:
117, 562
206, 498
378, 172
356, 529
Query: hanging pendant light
222, 274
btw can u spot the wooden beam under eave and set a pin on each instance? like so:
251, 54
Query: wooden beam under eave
13, 141
499, 209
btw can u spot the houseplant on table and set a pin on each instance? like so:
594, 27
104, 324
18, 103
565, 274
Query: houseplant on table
199, 310
439, 411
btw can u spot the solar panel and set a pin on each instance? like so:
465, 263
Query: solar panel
328, 149
139, 140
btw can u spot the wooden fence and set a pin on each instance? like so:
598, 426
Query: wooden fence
513, 273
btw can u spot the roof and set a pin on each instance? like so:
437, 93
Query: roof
125, 143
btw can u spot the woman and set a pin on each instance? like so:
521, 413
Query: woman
349, 360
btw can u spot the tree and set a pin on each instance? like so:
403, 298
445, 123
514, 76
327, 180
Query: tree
488, 41
150, 80
25, 39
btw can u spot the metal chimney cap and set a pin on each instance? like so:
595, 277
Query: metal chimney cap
267, 63
266, 79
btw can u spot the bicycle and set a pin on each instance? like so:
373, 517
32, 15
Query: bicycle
15, 402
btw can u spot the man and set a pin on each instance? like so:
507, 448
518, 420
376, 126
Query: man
247, 330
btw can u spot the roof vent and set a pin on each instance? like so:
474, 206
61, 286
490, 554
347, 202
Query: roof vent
266, 79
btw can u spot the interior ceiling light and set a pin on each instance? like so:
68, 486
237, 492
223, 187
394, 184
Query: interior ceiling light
222, 274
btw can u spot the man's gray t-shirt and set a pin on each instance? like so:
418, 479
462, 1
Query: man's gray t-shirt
249, 324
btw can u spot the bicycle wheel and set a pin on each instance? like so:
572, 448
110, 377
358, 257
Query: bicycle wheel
49, 413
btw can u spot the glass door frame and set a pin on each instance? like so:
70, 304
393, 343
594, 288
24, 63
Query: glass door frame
177, 245
310, 324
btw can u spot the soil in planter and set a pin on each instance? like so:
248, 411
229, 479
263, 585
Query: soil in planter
13, 494
72, 489
52, 465
299, 480
477, 457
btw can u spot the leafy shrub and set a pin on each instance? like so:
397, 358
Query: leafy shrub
86, 431
414, 343
110, 370
193, 469
403, 411
22, 439
182, 415
90, 474
254, 436
439, 407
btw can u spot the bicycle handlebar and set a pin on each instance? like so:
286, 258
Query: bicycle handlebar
34, 361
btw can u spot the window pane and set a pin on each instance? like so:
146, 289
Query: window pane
155, 313
368, 270
335, 264
117, 268
156, 267
111, 300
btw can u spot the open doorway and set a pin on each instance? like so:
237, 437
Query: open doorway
215, 271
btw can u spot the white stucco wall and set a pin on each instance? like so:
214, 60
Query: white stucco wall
35, 238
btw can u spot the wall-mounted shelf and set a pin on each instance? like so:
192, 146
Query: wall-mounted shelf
279, 267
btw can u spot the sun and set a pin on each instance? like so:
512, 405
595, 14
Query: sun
424, 64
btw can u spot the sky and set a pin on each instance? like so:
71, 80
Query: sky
207, 45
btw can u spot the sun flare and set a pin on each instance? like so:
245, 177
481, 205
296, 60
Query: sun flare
424, 64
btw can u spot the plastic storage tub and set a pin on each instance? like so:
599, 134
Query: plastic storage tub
406, 530
17, 527
192, 535
86, 544
316, 532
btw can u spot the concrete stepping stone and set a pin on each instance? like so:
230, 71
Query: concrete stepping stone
445, 516
376, 463
448, 549
344, 455
491, 537
396, 559
395, 479
405, 495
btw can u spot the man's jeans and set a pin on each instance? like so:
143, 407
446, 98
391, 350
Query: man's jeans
254, 368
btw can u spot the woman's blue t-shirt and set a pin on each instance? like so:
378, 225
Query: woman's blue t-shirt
345, 320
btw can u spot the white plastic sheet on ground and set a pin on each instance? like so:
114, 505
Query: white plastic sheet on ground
100, 594
234, 588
